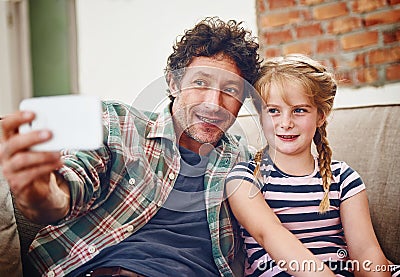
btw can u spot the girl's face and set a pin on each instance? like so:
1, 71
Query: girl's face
289, 127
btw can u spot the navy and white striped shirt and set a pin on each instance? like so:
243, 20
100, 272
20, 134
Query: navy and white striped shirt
295, 200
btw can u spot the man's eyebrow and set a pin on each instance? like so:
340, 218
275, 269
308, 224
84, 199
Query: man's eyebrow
202, 73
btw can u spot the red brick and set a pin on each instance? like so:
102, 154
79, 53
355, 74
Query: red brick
344, 25
367, 75
327, 46
278, 37
334, 63
272, 52
350, 61
330, 11
393, 72
278, 4
279, 19
310, 2
359, 40
384, 56
306, 14
394, 2
392, 16
309, 30
391, 36
359, 60
361, 6
302, 47
260, 6
344, 78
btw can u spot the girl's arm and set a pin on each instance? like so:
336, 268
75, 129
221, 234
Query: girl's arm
251, 210
362, 243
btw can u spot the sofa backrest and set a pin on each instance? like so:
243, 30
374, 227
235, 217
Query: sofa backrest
367, 138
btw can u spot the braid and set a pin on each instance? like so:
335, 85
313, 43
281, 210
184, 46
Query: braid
258, 158
324, 160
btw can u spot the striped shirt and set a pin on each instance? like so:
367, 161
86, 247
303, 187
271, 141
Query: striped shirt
295, 200
118, 188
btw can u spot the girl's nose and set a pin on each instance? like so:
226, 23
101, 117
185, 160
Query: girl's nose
286, 121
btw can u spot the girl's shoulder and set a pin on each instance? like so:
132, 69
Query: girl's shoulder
341, 167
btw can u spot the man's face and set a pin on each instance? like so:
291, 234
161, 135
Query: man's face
207, 101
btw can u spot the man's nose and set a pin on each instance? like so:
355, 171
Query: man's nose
213, 99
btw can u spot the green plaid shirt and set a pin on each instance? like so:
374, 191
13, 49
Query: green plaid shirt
118, 188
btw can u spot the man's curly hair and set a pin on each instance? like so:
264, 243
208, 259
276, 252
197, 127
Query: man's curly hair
211, 37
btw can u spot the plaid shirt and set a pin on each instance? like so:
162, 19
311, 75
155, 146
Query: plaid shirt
118, 188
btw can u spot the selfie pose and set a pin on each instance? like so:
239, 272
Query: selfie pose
297, 209
150, 200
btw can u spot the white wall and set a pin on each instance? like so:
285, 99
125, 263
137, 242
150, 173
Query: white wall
123, 45
15, 73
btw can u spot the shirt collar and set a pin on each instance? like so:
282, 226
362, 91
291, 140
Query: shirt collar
162, 126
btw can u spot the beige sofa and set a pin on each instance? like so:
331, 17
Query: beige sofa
367, 138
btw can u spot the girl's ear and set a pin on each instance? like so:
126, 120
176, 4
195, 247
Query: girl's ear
321, 119
172, 85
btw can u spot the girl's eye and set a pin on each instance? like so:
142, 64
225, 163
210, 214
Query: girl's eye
300, 110
272, 110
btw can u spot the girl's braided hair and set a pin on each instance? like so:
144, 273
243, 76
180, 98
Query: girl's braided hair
319, 85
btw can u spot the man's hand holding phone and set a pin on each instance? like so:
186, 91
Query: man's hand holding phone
29, 156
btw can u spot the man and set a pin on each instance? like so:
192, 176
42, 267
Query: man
150, 202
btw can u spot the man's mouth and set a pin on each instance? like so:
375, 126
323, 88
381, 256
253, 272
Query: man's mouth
209, 120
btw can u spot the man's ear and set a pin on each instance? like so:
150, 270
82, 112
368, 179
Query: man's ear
172, 84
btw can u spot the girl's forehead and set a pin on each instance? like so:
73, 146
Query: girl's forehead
287, 90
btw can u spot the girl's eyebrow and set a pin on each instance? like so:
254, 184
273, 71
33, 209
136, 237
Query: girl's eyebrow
293, 106
302, 105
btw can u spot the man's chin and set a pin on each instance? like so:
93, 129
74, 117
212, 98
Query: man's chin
206, 137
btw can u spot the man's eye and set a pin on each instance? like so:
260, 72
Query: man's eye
199, 83
231, 90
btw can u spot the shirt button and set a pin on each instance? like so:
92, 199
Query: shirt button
92, 249
51, 274
132, 181
129, 228
171, 176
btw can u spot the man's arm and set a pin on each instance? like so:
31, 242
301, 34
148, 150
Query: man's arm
40, 193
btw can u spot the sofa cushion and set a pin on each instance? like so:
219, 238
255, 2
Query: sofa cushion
367, 138
10, 259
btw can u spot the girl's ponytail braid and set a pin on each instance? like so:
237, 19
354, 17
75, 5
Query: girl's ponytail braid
325, 157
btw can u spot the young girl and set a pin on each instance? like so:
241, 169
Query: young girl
308, 215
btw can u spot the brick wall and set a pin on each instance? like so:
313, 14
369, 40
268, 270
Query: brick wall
359, 39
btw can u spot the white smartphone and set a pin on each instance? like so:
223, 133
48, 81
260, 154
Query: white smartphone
74, 120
